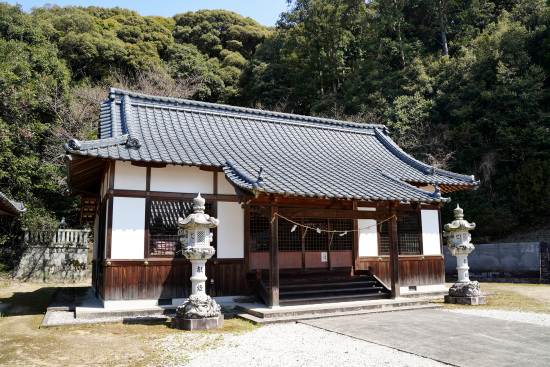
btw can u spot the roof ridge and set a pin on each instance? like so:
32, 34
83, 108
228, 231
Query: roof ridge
115, 91
75, 144
265, 119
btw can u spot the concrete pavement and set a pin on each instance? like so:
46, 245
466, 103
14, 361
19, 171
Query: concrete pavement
453, 338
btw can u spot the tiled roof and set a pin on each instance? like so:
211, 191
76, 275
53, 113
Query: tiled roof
11, 207
297, 155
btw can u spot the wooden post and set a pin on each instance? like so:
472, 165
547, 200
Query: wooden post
274, 258
355, 248
394, 250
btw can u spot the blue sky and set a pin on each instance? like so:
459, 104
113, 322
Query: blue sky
265, 12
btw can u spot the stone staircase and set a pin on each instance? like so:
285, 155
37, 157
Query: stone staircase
261, 314
324, 287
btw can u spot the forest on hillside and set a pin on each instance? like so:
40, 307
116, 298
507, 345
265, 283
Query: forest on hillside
462, 85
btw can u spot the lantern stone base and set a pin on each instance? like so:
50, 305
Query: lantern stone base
208, 323
477, 300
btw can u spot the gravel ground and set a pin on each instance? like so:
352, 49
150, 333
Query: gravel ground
288, 344
301, 345
281, 345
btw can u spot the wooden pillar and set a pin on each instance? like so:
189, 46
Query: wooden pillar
274, 258
355, 248
394, 250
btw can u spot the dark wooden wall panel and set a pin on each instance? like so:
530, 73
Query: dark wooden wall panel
412, 271
126, 280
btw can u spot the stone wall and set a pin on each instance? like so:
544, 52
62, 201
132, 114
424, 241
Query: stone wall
525, 262
66, 258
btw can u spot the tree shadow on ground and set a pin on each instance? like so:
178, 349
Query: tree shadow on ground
148, 321
29, 303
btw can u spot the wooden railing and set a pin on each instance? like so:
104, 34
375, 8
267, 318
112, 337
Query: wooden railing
76, 236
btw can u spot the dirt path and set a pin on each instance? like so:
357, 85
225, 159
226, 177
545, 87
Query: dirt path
22, 343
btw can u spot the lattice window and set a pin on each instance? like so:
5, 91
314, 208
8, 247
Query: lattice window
407, 232
200, 236
315, 241
290, 240
163, 225
259, 228
384, 239
341, 241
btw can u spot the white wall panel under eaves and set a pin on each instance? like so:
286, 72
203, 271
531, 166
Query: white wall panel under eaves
182, 179
431, 239
128, 231
230, 231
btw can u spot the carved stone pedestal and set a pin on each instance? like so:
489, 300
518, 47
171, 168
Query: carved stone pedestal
465, 293
198, 313
208, 323
479, 300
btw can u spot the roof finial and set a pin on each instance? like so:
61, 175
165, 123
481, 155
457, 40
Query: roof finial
458, 212
198, 204
260, 177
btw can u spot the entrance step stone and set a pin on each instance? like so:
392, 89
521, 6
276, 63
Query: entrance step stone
259, 314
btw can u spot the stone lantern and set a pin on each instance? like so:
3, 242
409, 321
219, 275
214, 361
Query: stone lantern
458, 241
199, 311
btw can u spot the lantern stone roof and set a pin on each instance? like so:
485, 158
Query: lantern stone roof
264, 152
11, 207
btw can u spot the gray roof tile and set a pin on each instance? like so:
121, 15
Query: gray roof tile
11, 207
300, 155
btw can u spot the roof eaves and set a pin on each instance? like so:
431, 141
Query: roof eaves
435, 196
12, 207
423, 167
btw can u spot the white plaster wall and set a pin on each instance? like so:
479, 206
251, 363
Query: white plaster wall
128, 228
106, 229
128, 177
224, 187
230, 231
430, 232
428, 188
368, 236
183, 179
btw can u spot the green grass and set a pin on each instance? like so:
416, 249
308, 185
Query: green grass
511, 297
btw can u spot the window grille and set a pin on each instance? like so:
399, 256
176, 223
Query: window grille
407, 233
407, 229
259, 228
163, 225
200, 236
292, 240
341, 241
384, 239
288, 240
315, 241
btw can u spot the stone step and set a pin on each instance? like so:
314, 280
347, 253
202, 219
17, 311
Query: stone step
265, 312
319, 298
296, 318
